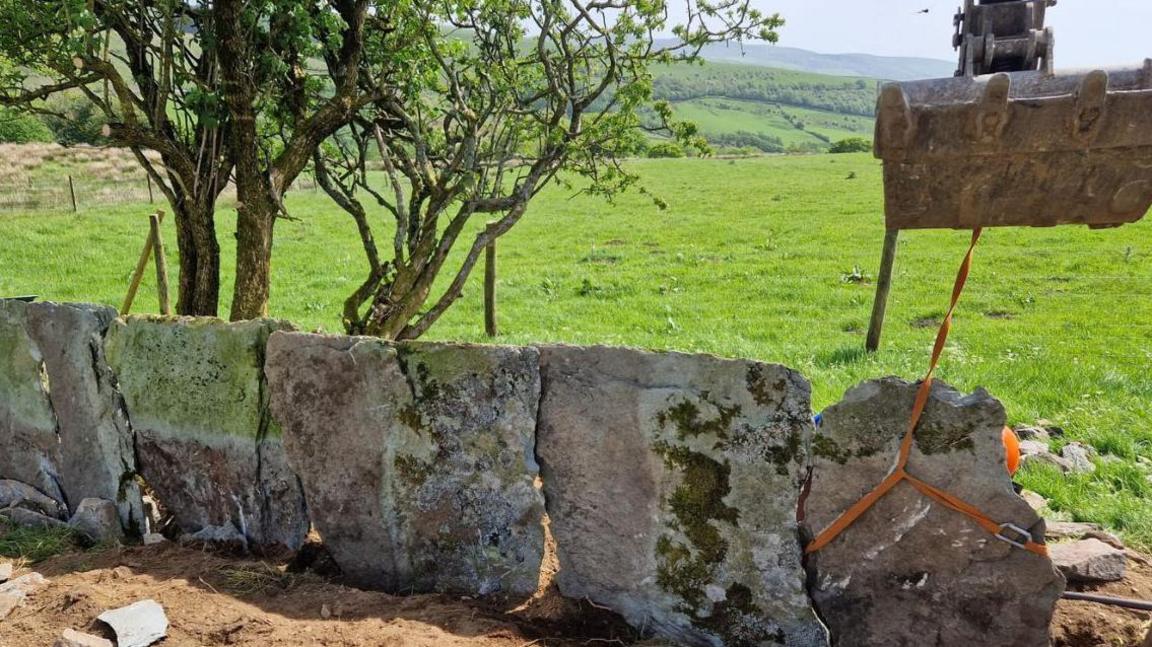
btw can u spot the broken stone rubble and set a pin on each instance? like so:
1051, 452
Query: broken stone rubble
672, 482
73, 638
137, 625
910, 571
1089, 560
417, 459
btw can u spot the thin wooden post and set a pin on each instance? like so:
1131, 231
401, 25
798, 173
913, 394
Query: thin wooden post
883, 286
141, 264
72, 192
149, 178
161, 264
490, 286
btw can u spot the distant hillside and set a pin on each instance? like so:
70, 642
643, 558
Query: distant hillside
771, 110
891, 68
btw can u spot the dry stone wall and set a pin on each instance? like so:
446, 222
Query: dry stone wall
680, 488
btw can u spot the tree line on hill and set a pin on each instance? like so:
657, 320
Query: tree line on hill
845, 96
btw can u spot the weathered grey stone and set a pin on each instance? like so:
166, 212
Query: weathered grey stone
672, 483
73, 638
1079, 458
31, 519
1032, 447
227, 535
97, 519
417, 459
1035, 433
196, 396
31, 446
1044, 459
911, 571
5, 572
96, 454
137, 625
14, 494
24, 585
1089, 560
1065, 530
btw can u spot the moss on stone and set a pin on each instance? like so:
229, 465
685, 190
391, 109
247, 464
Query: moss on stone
935, 439
413, 470
739, 622
685, 417
764, 392
825, 447
781, 456
696, 503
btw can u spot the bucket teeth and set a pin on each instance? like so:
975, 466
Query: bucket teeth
1091, 102
992, 114
894, 125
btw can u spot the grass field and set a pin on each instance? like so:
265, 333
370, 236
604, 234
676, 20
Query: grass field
767, 258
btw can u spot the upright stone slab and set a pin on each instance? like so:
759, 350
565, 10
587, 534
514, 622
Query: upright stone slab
910, 571
195, 394
29, 444
417, 459
672, 482
96, 455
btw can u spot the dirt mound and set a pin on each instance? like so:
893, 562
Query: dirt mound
215, 600
1086, 624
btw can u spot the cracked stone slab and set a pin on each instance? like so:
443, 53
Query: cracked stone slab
97, 459
672, 483
417, 459
27, 422
137, 625
910, 571
196, 396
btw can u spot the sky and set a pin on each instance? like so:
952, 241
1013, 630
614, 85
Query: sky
1088, 32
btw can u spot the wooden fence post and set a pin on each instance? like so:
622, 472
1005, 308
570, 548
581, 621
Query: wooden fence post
72, 192
141, 264
161, 264
149, 178
883, 286
490, 286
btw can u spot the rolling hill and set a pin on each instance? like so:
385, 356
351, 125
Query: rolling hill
767, 109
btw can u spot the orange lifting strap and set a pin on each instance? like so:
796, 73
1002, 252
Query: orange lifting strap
1008, 532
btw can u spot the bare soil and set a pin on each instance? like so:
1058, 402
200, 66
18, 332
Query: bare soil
214, 599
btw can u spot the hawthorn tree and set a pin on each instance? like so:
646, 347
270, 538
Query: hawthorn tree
501, 98
239, 91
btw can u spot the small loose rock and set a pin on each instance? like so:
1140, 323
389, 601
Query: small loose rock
73, 638
137, 625
1089, 561
5, 572
1079, 458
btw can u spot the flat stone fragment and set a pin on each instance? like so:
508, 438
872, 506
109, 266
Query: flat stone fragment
911, 571
1078, 458
5, 572
31, 519
1089, 560
137, 625
9, 602
14, 494
197, 399
97, 519
24, 585
97, 458
31, 447
417, 459
73, 638
672, 482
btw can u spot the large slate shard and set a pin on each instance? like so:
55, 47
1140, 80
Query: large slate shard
196, 397
417, 459
672, 483
96, 454
910, 571
28, 436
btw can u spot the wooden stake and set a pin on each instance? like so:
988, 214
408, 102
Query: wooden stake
72, 192
490, 286
141, 264
161, 265
149, 178
883, 286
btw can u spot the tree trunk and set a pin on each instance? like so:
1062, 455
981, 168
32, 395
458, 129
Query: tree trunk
256, 217
199, 290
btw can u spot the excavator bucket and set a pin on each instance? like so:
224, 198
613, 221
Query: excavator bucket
1008, 142
1017, 149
